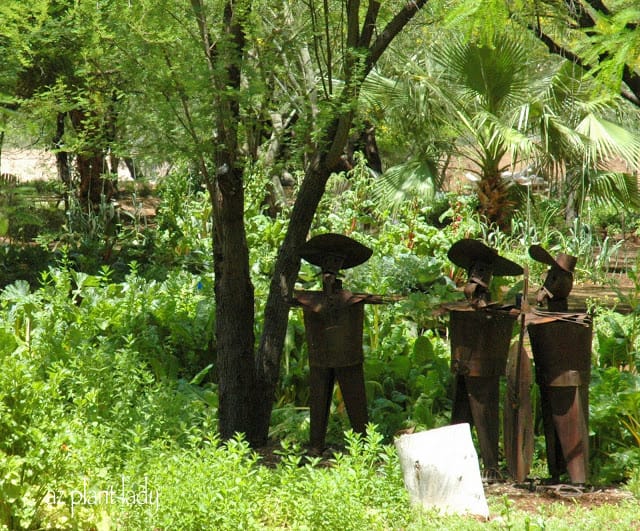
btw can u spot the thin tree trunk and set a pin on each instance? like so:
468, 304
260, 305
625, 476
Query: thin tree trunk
326, 159
234, 311
276, 313
62, 159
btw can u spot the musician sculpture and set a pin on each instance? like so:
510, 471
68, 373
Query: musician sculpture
561, 345
480, 333
333, 320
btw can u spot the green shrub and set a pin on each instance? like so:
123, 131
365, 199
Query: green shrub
87, 377
226, 487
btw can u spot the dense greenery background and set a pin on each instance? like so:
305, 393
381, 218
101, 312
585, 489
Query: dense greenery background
108, 348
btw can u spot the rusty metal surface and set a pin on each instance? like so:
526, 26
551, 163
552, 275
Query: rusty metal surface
475, 402
333, 328
480, 341
480, 333
479, 347
518, 414
321, 383
333, 320
562, 354
334, 336
518, 408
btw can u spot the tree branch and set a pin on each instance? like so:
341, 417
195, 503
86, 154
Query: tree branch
395, 26
369, 24
630, 78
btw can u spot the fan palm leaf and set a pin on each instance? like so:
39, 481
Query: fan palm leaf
485, 101
414, 179
606, 188
607, 140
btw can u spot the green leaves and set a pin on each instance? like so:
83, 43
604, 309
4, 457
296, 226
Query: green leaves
495, 75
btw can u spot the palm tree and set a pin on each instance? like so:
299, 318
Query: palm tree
497, 102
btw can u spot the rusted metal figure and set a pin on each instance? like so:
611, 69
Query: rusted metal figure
480, 333
561, 345
333, 320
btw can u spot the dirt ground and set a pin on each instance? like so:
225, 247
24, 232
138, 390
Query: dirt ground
530, 497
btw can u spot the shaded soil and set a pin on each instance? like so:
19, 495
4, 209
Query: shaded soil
531, 496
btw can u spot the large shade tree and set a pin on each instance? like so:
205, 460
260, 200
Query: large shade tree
64, 76
260, 75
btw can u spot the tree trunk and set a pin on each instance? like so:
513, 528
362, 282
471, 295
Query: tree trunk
234, 311
62, 159
91, 166
495, 204
276, 313
327, 158
247, 384
233, 288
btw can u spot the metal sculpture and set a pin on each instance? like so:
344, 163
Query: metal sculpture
561, 345
480, 332
333, 320
518, 409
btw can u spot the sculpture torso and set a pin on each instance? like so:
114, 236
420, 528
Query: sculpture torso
333, 327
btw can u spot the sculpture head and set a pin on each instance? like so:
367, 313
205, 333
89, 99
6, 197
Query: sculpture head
559, 279
333, 253
481, 263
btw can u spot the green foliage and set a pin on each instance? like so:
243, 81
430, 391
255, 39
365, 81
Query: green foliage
362, 489
114, 380
615, 390
25, 212
23, 263
92, 370
106, 368
184, 234
614, 423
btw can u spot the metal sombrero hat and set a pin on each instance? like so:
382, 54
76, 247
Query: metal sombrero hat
327, 250
464, 253
564, 261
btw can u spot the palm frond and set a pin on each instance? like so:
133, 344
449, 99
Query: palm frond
609, 140
494, 75
558, 139
614, 189
414, 179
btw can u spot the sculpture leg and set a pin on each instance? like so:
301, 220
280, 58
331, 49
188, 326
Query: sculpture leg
476, 402
351, 381
555, 459
483, 395
321, 382
461, 411
569, 422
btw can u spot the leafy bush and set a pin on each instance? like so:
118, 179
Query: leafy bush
614, 424
24, 263
92, 370
217, 486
